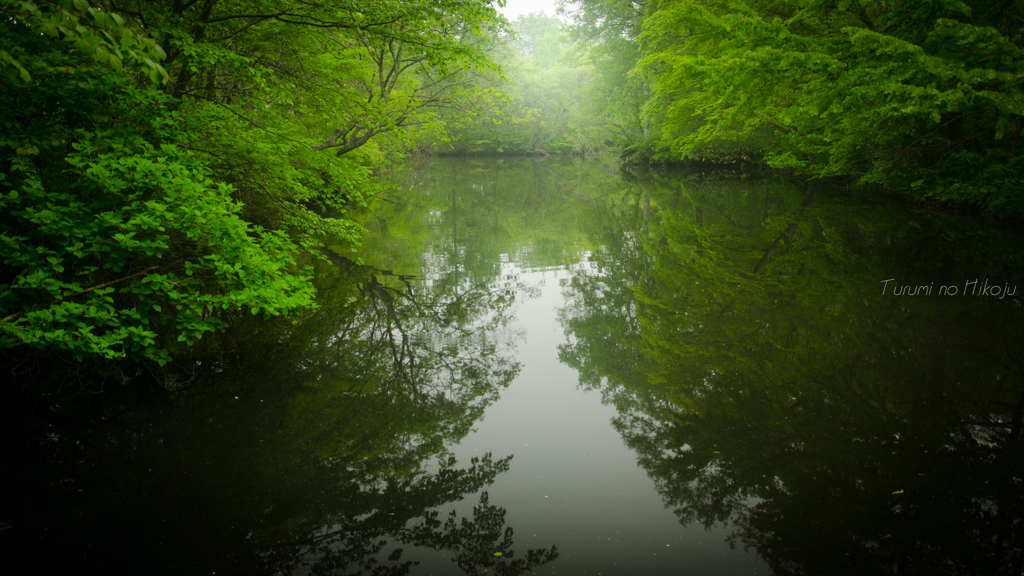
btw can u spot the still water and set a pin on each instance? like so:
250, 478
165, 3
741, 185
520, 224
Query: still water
553, 366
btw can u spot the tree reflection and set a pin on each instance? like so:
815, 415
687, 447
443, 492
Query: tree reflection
765, 384
309, 448
475, 215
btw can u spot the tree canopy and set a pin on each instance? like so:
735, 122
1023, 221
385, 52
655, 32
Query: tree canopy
923, 96
116, 239
168, 164
920, 97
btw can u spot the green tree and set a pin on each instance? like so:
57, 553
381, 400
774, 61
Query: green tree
305, 100
925, 97
607, 34
543, 106
136, 218
116, 241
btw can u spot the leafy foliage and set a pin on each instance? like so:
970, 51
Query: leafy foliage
103, 35
543, 108
116, 241
606, 35
925, 96
136, 217
305, 100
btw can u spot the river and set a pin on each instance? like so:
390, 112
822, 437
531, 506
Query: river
555, 366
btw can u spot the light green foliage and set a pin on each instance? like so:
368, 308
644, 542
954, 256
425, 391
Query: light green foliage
924, 96
543, 109
539, 37
545, 86
134, 218
116, 241
606, 34
301, 103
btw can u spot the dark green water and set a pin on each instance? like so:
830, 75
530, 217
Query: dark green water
551, 366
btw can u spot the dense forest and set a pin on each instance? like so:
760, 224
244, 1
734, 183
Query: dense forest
173, 167
410, 287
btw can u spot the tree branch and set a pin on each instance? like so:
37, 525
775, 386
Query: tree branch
17, 315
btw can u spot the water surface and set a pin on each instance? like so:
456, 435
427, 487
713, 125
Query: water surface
555, 366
